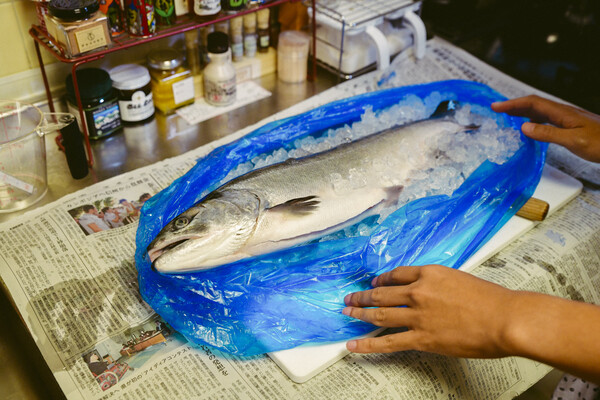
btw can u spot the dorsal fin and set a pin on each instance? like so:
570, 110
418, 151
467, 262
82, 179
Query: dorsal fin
445, 108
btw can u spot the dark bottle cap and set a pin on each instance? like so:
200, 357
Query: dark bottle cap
218, 42
73, 10
92, 82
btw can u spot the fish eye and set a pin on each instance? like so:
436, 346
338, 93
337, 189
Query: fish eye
181, 222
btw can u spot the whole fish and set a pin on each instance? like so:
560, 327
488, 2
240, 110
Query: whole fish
301, 199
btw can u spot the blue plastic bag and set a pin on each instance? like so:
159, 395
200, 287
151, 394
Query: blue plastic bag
288, 298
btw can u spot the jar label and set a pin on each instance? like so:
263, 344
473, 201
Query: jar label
138, 108
90, 39
183, 90
207, 7
264, 41
99, 121
220, 93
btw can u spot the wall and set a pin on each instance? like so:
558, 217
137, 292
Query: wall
20, 76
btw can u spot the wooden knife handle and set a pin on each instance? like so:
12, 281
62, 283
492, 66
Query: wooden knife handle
534, 210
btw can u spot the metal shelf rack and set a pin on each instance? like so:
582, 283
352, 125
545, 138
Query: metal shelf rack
122, 42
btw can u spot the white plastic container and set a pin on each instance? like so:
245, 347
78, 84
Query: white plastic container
292, 56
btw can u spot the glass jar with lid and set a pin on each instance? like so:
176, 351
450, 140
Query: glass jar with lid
101, 116
172, 83
77, 25
134, 91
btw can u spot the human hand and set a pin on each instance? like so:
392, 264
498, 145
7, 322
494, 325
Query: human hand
446, 311
576, 129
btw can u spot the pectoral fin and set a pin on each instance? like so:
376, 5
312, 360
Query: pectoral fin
298, 206
392, 195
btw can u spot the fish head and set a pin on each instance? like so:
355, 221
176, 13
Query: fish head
208, 234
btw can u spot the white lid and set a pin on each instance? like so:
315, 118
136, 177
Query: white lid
129, 76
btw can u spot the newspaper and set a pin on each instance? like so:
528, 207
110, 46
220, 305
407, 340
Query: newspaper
77, 291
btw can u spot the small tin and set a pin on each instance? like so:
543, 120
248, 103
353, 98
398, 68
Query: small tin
134, 92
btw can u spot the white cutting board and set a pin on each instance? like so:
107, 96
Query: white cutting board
555, 187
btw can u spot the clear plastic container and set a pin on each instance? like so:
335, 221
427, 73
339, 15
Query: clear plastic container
292, 56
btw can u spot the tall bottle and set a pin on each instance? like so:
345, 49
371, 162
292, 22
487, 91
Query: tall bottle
262, 18
250, 35
164, 12
219, 74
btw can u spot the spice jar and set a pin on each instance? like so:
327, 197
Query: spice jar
134, 92
77, 25
219, 74
250, 37
236, 38
262, 18
172, 83
98, 100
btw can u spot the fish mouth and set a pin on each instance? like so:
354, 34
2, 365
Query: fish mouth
157, 252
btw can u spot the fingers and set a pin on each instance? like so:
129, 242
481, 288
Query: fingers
536, 108
390, 317
398, 276
379, 297
383, 344
390, 289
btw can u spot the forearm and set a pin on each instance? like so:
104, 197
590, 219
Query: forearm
562, 333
